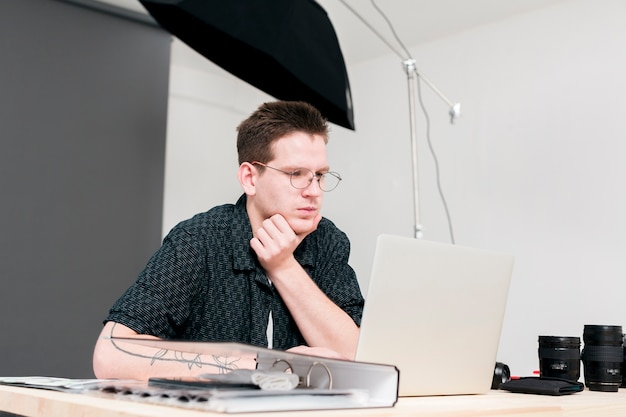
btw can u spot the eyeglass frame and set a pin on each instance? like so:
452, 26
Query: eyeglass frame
313, 176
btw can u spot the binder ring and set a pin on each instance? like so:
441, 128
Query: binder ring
308, 374
289, 367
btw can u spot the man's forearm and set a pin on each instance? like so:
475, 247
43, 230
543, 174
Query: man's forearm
321, 322
115, 358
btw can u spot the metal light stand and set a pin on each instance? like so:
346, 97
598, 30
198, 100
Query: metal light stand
455, 111
409, 66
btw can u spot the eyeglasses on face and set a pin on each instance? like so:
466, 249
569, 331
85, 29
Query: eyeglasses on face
301, 178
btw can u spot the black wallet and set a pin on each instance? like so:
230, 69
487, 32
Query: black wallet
542, 385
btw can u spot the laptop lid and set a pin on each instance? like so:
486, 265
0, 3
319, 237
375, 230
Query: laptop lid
435, 310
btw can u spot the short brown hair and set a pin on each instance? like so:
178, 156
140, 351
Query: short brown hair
272, 121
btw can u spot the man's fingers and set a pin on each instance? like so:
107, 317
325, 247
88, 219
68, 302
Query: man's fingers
278, 222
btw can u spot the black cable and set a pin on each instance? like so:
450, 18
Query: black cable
393, 30
435, 159
370, 27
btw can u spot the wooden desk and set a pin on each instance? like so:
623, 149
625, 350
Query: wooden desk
36, 403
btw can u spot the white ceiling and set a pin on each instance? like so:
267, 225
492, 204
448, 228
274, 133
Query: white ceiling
415, 21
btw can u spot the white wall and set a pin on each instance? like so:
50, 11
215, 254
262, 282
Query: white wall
201, 157
534, 167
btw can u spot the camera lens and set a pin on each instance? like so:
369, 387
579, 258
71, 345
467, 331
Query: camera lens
501, 374
624, 366
603, 356
559, 357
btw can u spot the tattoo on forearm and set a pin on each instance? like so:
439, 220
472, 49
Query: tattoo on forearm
221, 363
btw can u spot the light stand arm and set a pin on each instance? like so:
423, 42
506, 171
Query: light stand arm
455, 108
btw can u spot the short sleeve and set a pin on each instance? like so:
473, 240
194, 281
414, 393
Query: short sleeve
159, 301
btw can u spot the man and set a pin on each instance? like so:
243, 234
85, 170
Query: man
267, 271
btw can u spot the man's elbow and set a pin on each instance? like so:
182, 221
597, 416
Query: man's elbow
101, 364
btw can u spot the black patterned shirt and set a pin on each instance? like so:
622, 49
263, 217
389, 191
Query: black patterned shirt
205, 283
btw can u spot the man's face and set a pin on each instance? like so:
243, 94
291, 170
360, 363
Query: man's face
274, 192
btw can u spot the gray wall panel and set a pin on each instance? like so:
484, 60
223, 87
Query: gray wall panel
83, 102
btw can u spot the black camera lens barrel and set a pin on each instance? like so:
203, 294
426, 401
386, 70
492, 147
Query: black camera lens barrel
624, 366
559, 357
603, 357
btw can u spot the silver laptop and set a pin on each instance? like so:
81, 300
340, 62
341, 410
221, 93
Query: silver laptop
435, 310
